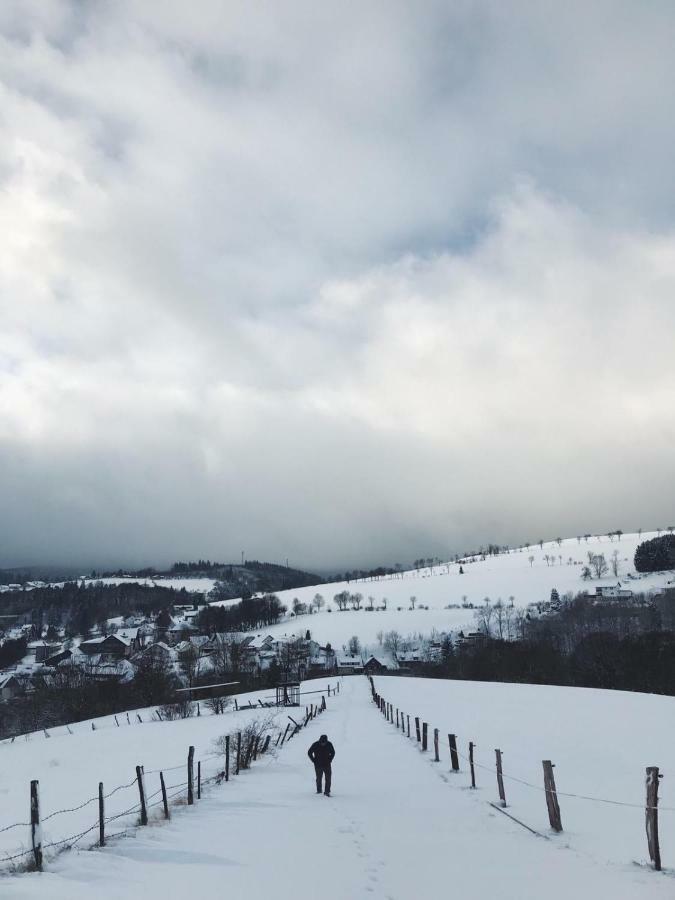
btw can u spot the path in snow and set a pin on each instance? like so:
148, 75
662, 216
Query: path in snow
397, 827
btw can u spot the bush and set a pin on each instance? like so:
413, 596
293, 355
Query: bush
184, 709
656, 555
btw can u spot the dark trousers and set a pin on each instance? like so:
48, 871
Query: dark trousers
323, 771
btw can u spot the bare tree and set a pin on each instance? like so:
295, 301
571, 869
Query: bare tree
356, 600
599, 565
342, 600
318, 601
392, 641
354, 645
615, 563
413, 601
499, 614
483, 617
189, 662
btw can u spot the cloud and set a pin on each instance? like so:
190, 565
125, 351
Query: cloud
341, 285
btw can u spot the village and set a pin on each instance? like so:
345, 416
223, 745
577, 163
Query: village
174, 641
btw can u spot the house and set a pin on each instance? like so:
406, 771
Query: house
611, 592
58, 657
349, 665
374, 664
322, 660
10, 687
113, 647
41, 650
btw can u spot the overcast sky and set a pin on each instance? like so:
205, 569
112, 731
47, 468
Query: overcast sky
347, 283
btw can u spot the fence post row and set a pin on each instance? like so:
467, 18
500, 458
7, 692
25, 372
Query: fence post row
424, 736
500, 780
165, 802
652, 816
101, 816
190, 776
417, 729
551, 796
141, 792
35, 830
454, 757
436, 756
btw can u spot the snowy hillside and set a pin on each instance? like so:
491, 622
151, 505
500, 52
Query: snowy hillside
398, 825
504, 576
72, 760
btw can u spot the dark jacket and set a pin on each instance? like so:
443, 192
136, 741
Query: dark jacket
321, 754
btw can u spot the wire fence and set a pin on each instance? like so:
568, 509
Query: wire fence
420, 734
241, 749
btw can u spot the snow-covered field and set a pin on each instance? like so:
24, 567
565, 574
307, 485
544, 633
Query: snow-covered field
599, 741
398, 825
504, 576
70, 766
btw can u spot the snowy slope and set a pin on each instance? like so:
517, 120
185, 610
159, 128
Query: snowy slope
397, 827
504, 576
600, 742
70, 766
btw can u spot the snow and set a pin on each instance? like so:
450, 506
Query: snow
70, 766
504, 576
398, 826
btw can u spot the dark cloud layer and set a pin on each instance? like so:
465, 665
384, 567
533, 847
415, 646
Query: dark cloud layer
343, 283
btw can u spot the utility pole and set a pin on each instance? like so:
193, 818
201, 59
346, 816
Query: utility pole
242, 557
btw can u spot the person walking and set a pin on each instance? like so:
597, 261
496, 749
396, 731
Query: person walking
322, 753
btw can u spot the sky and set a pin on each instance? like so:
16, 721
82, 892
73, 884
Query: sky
343, 283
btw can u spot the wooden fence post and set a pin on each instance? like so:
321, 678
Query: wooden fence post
165, 802
266, 744
101, 816
500, 779
436, 756
190, 776
236, 705
141, 792
238, 751
329, 690
284, 737
551, 796
454, 757
227, 758
424, 735
397, 717
35, 830
417, 729
473, 772
323, 703
408, 718
199, 780
651, 815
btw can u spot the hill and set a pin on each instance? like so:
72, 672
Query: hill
398, 824
527, 574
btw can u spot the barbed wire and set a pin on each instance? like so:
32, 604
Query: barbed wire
537, 787
172, 791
